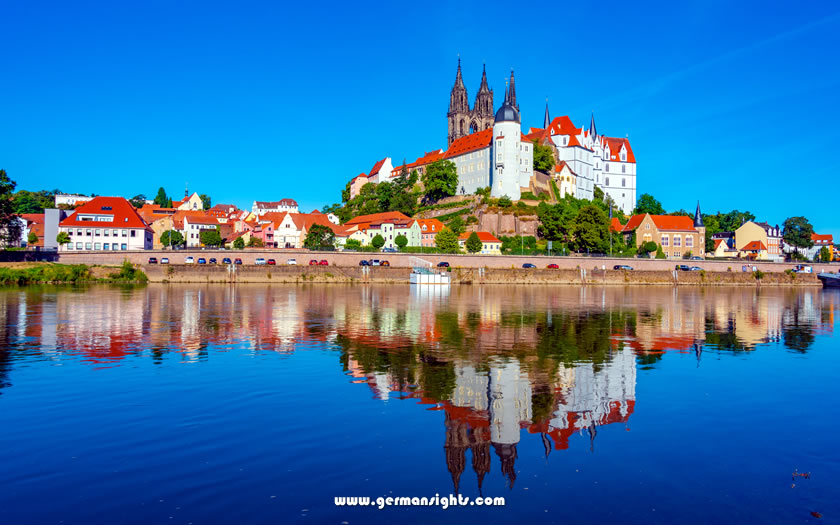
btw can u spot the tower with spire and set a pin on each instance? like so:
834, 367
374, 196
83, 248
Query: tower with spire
462, 119
700, 227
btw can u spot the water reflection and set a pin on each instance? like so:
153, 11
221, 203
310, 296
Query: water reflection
500, 363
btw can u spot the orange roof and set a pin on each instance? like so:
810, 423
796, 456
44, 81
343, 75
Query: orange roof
123, 214
197, 218
377, 167
470, 143
615, 225
431, 225
822, 239
662, 223
717, 243
754, 246
563, 164
615, 147
563, 126
38, 230
483, 236
37, 218
378, 218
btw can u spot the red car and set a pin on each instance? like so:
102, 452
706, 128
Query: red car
323, 263
384, 263
313, 262
271, 262
552, 266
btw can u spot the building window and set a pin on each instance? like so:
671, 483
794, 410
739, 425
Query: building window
677, 241
664, 240
689, 241
606, 167
606, 181
623, 168
133, 232
647, 226
124, 233
78, 246
676, 254
69, 245
88, 246
123, 247
88, 232
623, 182
106, 246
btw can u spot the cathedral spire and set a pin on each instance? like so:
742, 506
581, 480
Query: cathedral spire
592, 132
512, 99
484, 88
459, 81
547, 120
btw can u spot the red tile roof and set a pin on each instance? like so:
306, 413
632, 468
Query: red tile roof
483, 236
615, 148
470, 143
123, 214
563, 164
754, 246
615, 225
37, 218
201, 219
432, 225
563, 126
38, 230
379, 218
377, 167
276, 204
822, 239
717, 243
662, 223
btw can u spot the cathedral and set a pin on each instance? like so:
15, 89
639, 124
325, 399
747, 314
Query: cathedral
462, 119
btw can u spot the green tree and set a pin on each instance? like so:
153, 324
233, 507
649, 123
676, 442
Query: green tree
712, 227
138, 200
659, 253
33, 202
161, 199
447, 241
825, 254
171, 238
647, 204
505, 202
440, 180
647, 247
457, 225
591, 230
473, 243
32, 239
378, 241
352, 244
210, 237
319, 237
239, 243
62, 238
255, 242
543, 158
729, 222
797, 232
205, 200
401, 241
598, 194
10, 227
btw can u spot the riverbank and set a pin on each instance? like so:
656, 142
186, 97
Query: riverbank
176, 273
53, 273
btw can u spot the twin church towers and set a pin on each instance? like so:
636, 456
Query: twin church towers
463, 120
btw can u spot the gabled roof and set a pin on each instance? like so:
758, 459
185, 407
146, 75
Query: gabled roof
615, 225
564, 165
123, 213
276, 204
822, 239
379, 218
615, 148
564, 126
754, 246
377, 167
483, 236
432, 225
200, 219
36, 218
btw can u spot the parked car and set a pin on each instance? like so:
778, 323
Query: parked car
623, 267
313, 262
189, 260
237, 261
696, 258
212, 261
260, 261
681, 267
695, 269
271, 262
443, 264
384, 263
389, 250
202, 260
364, 262
553, 266
291, 261
226, 260
373, 262
803, 268
152, 260
164, 260
323, 262
529, 265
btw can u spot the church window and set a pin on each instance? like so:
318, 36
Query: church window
623, 168
623, 182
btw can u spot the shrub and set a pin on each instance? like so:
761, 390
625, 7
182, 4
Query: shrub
758, 274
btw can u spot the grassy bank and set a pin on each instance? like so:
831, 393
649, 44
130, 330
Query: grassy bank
54, 273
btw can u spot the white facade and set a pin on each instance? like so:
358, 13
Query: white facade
285, 205
70, 200
473, 170
512, 160
192, 231
97, 238
616, 175
383, 173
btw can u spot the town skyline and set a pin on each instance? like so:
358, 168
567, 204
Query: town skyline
681, 119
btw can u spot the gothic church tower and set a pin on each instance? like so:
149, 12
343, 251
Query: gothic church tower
462, 119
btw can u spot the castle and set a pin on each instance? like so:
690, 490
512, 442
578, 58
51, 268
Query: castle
490, 150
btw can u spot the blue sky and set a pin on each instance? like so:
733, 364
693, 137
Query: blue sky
734, 104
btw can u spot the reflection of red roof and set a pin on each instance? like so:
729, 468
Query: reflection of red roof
122, 213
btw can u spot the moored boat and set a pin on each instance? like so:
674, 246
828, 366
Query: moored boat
829, 280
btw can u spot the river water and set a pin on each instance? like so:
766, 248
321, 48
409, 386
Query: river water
262, 404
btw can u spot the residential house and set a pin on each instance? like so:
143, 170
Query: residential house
189, 203
490, 245
194, 224
564, 179
283, 205
753, 250
768, 236
106, 224
389, 225
820, 241
676, 234
429, 228
32, 223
